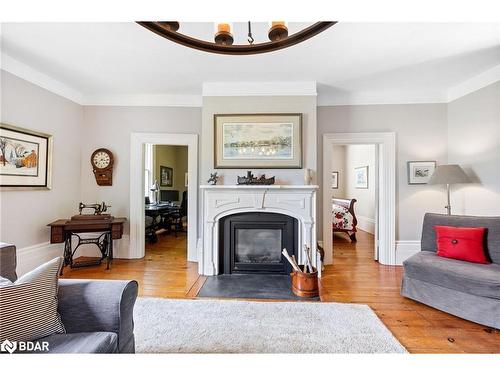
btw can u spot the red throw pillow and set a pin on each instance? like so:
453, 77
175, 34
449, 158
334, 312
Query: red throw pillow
461, 243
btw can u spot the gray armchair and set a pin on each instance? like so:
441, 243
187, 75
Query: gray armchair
468, 290
97, 314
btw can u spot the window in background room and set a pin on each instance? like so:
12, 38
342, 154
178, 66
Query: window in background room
148, 169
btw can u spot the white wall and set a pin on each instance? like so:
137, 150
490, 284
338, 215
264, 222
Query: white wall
360, 156
260, 104
474, 143
421, 134
25, 214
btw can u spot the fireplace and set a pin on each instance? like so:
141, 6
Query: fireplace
297, 202
252, 242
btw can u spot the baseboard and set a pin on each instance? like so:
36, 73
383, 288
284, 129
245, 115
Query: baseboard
33, 256
405, 249
366, 224
30, 257
121, 247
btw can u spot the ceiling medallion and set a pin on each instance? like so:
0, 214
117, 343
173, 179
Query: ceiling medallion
223, 39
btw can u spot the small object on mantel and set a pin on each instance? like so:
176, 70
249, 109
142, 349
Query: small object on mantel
213, 178
250, 179
307, 176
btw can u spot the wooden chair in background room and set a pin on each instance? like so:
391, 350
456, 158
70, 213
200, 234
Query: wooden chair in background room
178, 216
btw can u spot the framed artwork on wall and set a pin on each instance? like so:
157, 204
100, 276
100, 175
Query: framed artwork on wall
361, 177
335, 180
258, 141
420, 172
166, 176
25, 159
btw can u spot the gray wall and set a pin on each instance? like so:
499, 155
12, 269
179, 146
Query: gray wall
474, 143
469, 126
111, 127
25, 214
421, 134
338, 165
265, 104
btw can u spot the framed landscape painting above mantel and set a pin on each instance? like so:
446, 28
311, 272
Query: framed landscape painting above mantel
258, 141
25, 159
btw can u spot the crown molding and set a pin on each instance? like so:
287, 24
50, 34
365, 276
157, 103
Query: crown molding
26, 72
475, 83
294, 88
298, 88
381, 98
144, 100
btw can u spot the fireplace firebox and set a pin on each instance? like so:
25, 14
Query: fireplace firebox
252, 243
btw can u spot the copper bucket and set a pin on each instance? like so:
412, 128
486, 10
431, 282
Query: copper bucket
305, 284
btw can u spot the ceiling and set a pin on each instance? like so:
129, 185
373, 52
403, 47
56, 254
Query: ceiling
352, 63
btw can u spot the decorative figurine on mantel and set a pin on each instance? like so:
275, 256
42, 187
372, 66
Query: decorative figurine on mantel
213, 178
250, 179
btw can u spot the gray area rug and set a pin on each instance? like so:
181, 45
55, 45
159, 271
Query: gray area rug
209, 326
250, 286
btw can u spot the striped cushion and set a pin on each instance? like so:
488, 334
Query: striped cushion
28, 307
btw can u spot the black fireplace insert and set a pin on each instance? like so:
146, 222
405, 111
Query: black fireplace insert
252, 243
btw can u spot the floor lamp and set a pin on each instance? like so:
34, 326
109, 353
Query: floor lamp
155, 188
449, 174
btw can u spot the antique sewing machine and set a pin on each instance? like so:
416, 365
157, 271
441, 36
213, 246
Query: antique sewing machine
108, 228
98, 208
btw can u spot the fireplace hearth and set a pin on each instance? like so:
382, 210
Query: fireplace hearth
251, 243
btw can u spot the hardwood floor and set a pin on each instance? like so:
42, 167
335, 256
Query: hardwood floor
163, 272
354, 277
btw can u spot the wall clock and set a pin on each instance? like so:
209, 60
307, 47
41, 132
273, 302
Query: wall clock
102, 166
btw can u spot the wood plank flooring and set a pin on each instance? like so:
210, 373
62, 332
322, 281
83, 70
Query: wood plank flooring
354, 277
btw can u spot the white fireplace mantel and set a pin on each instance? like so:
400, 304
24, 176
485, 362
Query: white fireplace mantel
298, 201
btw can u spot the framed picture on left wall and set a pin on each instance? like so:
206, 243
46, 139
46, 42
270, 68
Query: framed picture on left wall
25, 159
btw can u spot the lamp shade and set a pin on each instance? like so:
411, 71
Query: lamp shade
449, 174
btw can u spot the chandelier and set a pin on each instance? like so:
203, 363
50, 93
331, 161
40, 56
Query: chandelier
223, 38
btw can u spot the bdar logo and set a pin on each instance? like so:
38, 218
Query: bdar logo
8, 346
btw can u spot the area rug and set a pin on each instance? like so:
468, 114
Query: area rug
250, 287
224, 326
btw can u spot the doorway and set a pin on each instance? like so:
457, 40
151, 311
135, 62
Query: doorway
354, 198
139, 177
383, 174
165, 192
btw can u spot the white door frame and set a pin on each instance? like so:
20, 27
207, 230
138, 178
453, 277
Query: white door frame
137, 141
387, 190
